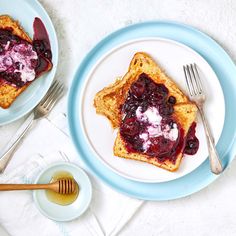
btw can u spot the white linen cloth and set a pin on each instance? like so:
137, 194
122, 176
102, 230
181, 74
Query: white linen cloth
18, 214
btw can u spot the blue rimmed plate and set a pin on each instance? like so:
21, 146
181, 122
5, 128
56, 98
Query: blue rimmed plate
216, 58
25, 11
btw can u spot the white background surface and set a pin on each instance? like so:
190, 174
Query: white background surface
80, 24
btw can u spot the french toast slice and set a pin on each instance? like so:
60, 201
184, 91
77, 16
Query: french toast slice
8, 92
109, 101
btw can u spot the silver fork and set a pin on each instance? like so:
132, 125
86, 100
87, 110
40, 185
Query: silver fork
41, 110
198, 96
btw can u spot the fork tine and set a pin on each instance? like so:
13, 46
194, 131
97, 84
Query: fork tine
51, 96
194, 79
55, 83
187, 81
56, 94
198, 80
55, 98
191, 79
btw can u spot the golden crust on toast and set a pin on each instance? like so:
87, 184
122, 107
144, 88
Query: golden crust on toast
7, 22
109, 100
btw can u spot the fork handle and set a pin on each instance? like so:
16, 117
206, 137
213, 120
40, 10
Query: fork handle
14, 142
215, 163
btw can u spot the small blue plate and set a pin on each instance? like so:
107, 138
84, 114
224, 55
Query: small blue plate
58, 212
25, 11
225, 70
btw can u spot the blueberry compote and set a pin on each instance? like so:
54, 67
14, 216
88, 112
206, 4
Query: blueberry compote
22, 61
17, 59
41, 45
192, 142
149, 126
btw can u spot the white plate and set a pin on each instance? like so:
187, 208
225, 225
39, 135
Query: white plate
171, 56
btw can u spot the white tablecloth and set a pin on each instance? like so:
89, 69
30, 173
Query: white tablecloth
80, 25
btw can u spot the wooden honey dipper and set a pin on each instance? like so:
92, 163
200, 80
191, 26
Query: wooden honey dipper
61, 186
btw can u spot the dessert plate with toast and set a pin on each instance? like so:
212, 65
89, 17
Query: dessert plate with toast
28, 57
131, 119
184, 110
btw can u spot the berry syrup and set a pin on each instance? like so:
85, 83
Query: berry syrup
148, 124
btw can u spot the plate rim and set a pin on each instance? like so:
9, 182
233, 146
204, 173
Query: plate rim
228, 153
87, 81
38, 7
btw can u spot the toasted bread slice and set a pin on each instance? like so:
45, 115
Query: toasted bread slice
7, 22
185, 115
9, 93
109, 100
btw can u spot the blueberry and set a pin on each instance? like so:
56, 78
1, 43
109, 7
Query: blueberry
130, 105
191, 146
144, 78
137, 144
137, 88
162, 89
129, 127
172, 100
3, 39
151, 86
16, 38
160, 98
17, 65
166, 110
34, 63
144, 106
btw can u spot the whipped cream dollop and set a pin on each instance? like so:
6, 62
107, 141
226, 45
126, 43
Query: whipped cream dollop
155, 127
18, 59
